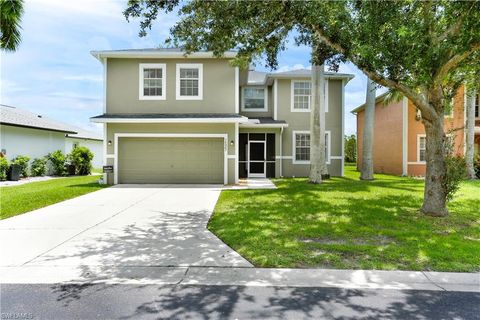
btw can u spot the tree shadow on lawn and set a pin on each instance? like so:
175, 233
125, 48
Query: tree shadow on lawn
325, 225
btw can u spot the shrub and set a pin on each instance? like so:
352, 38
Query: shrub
456, 172
3, 168
81, 158
57, 159
38, 167
22, 161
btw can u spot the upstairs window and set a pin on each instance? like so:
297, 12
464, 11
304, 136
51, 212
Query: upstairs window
422, 148
301, 95
189, 81
152, 78
254, 99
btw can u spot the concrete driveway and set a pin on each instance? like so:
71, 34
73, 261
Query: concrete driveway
123, 226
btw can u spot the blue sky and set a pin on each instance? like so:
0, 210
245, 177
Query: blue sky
53, 73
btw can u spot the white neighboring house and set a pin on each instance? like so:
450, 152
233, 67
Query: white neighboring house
89, 139
25, 133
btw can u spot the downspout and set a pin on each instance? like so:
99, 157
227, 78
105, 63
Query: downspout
281, 153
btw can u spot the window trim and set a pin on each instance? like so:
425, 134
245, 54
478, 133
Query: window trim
328, 145
143, 66
418, 146
292, 96
198, 66
265, 99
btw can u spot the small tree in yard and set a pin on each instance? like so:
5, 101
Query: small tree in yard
420, 48
351, 148
81, 158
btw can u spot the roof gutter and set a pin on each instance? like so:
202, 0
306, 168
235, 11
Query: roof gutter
170, 120
38, 128
158, 54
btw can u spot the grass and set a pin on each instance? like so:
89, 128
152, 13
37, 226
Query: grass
350, 224
19, 199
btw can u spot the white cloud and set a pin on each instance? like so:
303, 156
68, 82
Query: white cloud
292, 67
85, 77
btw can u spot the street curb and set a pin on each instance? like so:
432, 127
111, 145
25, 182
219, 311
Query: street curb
234, 276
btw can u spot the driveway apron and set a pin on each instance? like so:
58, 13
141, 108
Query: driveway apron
122, 226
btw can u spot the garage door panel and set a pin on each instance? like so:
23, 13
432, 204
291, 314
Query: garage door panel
170, 160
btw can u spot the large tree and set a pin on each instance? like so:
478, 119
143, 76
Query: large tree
318, 161
10, 16
366, 171
416, 47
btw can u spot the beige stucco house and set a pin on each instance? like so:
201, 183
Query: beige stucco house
171, 118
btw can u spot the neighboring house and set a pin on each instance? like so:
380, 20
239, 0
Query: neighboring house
29, 134
399, 135
169, 118
93, 141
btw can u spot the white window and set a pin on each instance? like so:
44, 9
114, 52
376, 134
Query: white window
254, 99
189, 81
301, 147
152, 80
301, 96
421, 147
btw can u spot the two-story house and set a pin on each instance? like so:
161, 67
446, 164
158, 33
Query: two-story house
399, 135
171, 118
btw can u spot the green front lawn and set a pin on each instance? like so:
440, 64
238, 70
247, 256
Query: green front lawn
30, 196
347, 223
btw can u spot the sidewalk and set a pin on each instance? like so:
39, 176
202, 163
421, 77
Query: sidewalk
260, 277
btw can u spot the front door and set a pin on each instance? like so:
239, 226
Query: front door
256, 159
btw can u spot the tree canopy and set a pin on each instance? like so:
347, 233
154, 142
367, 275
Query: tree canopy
423, 49
10, 16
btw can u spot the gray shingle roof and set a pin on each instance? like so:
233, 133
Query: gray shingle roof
269, 120
256, 77
23, 118
307, 73
85, 134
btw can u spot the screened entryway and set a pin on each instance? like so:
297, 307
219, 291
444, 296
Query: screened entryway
256, 155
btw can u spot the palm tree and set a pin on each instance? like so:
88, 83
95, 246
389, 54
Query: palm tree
366, 172
10, 16
470, 132
392, 96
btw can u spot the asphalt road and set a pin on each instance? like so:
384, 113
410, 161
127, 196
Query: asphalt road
103, 301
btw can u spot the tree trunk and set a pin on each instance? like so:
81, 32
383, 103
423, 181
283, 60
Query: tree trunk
470, 134
367, 141
317, 125
434, 201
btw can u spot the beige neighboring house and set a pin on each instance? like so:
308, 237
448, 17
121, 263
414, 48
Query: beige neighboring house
171, 118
